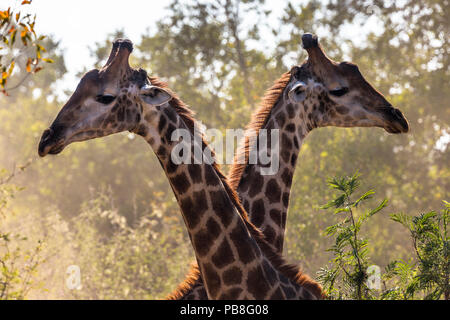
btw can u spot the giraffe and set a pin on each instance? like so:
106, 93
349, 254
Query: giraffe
318, 93
232, 256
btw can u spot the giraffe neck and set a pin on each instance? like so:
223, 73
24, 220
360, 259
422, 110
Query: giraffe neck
266, 197
227, 254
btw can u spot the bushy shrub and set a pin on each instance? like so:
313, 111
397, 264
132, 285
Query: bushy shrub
20, 260
350, 272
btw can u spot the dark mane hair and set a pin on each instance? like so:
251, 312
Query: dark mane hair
259, 118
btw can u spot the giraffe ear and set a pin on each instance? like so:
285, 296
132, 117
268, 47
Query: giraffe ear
298, 92
155, 96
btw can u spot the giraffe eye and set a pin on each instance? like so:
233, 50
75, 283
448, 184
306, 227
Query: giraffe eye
339, 92
105, 99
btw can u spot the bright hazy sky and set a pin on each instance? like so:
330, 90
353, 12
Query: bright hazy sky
79, 24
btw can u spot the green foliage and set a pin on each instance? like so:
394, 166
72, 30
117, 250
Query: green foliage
221, 75
432, 247
347, 276
398, 281
18, 264
122, 262
116, 260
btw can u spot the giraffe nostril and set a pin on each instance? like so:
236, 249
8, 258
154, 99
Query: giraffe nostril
398, 113
46, 141
47, 134
397, 120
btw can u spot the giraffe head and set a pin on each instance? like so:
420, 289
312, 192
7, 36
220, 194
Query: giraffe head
106, 101
338, 95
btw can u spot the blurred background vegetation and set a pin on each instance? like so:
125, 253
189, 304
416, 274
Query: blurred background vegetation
105, 205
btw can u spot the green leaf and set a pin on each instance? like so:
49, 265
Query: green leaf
365, 196
382, 205
401, 218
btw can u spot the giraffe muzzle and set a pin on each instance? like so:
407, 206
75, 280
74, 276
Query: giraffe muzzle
397, 122
48, 143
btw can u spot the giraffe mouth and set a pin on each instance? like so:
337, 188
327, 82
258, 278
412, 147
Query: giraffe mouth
51, 149
56, 149
394, 130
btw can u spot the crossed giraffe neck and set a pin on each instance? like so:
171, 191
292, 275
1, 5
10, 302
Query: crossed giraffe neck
318, 93
266, 197
234, 260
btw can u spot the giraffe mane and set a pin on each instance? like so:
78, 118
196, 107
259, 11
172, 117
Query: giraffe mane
187, 115
187, 285
291, 271
258, 120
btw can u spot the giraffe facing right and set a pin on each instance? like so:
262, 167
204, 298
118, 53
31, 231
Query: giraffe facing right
316, 94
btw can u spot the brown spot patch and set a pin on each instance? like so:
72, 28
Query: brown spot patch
121, 114
286, 199
214, 228
256, 283
181, 183
170, 114
195, 172
286, 142
202, 242
342, 110
142, 130
222, 206
281, 119
290, 127
162, 124
231, 276
286, 177
285, 155
293, 159
211, 177
201, 203
276, 216
256, 184
212, 279
224, 255
187, 207
243, 244
257, 212
290, 110
269, 234
273, 191
171, 167
161, 151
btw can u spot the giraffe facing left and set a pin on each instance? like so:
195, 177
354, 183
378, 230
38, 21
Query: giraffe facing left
234, 260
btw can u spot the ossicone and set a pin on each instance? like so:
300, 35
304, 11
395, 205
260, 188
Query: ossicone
310, 41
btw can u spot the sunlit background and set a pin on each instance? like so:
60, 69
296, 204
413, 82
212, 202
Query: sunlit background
105, 205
